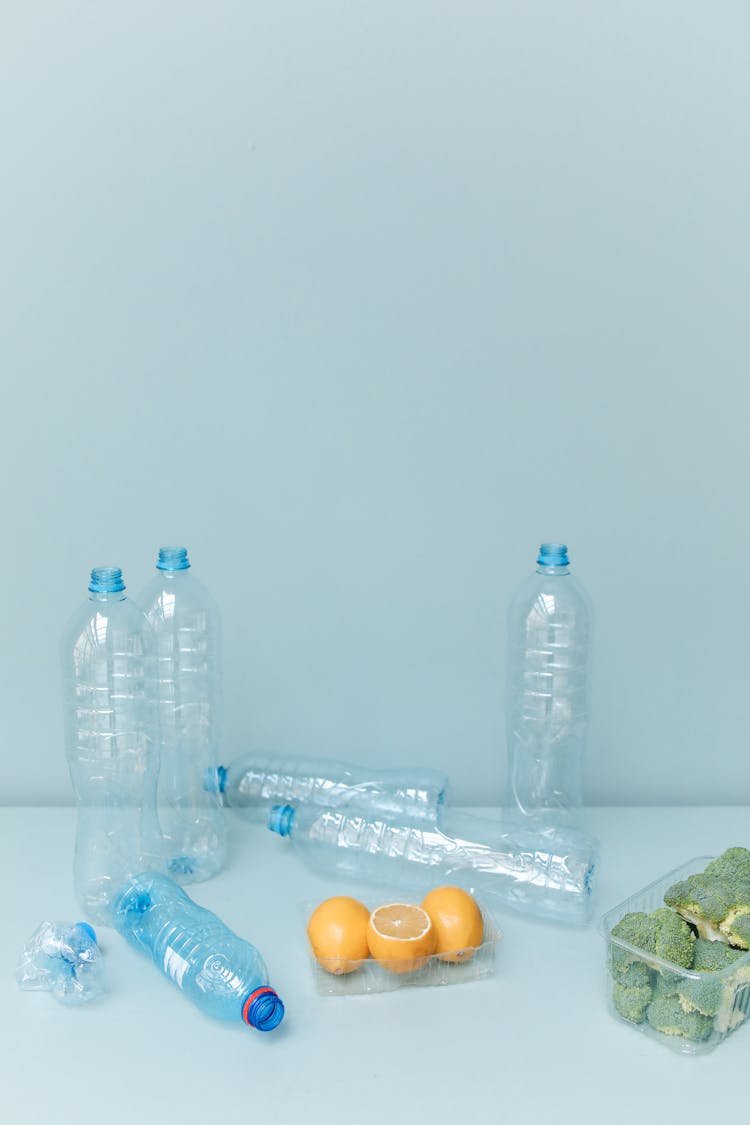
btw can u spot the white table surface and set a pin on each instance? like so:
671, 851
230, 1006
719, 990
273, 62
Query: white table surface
533, 1042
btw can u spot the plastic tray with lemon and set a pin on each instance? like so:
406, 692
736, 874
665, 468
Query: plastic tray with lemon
448, 938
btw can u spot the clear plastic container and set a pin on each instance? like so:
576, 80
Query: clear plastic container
369, 976
730, 987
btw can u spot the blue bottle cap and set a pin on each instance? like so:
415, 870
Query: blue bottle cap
87, 929
106, 580
214, 780
173, 558
553, 554
263, 1009
280, 819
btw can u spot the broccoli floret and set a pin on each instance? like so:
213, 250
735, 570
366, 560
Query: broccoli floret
717, 901
663, 934
703, 902
705, 995
666, 1014
631, 1003
674, 940
733, 865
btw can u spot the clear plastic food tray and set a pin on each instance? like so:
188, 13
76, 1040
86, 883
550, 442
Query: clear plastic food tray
730, 987
370, 976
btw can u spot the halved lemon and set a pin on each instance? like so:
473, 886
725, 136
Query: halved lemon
457, 921
338, 934
401, 937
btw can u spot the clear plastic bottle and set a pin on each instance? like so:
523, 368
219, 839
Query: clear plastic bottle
550, 626
185, 621
546, 872
221, 973
259, 780
111, 741
62, 958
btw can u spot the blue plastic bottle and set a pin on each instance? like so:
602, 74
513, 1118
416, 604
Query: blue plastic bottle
187, 686
542, 872
257, 780
112, 741
221, 973
547, 701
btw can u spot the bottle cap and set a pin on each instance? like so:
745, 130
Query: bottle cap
87, 929
173, 558
280, 819
106, 580
553, 554
263, 1009
214, 780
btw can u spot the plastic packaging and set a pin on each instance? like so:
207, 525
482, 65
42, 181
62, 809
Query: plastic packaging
111, 741
221, 973
369, 976
724, 995
258, 780
62, 958
547, 873
187, 686
550, 626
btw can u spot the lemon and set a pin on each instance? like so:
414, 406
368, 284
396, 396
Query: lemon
400, 936
457, 921
338, 934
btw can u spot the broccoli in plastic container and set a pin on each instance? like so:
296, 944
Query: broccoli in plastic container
683, 970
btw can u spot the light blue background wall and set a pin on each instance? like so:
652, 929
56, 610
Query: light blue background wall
362, 300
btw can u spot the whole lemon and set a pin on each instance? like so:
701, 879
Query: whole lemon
457, 921
338, 934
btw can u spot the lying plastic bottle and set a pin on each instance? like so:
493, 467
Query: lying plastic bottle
221, 973
62, 958
258, 780
547, 873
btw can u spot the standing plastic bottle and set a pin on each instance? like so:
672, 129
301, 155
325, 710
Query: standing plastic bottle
221, 973
545, 872
547, 704
259, 779
111, 741
185, 621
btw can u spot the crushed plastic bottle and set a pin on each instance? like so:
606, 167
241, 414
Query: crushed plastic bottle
546, 872
62, 958
187, 687
255, 782
221, 973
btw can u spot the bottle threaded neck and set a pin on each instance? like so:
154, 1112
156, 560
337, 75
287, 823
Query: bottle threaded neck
280, 819
173, 558
106, 580
553, 554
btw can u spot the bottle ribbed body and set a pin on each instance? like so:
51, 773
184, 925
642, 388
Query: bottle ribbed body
111, 744
546, 872
187, 687
258, 780
218, 971
547, 703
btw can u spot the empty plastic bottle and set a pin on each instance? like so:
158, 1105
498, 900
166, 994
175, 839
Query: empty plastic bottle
221, 973
62, 958
547, 700
187, 685
548, 872
111, 741
259, 780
